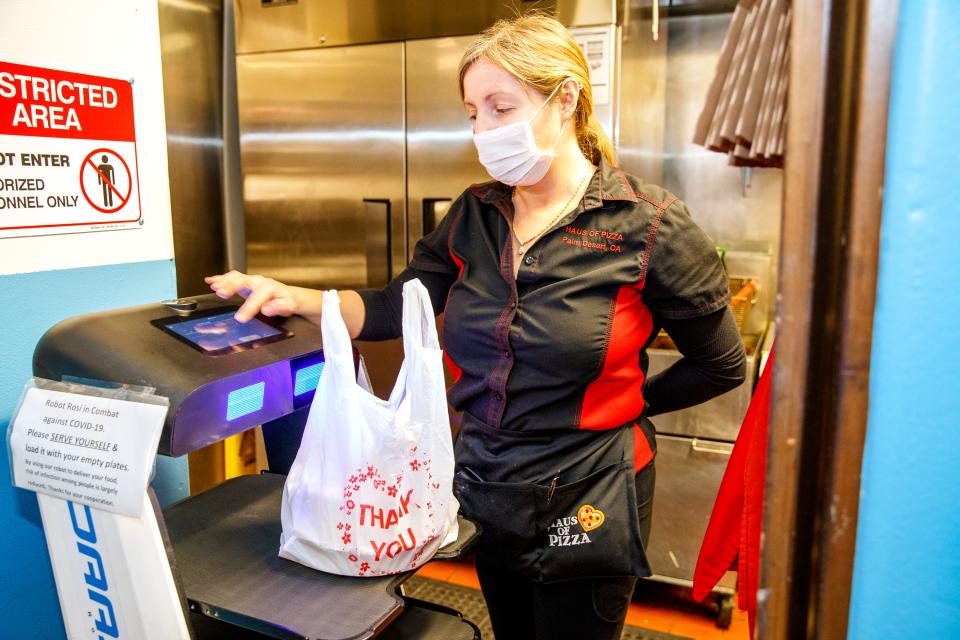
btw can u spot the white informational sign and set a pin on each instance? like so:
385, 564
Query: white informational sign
597, 45
112, 572
97, 451
68, 152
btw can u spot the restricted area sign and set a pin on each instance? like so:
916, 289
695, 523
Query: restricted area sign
68, 152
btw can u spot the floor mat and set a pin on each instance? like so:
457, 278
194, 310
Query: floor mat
470, 603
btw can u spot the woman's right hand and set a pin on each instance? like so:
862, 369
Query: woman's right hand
263, 295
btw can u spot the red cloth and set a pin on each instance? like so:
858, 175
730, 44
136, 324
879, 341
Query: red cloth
732, 539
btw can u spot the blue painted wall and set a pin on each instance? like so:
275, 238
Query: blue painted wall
31, 303
907, 565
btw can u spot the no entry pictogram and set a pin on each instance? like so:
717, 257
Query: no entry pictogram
107, 198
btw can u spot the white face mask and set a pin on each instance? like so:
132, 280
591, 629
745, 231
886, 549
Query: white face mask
510, 153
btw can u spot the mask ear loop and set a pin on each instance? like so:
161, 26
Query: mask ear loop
549, 98
547, 101
556, 142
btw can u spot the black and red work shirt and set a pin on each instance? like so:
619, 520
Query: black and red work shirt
562, 345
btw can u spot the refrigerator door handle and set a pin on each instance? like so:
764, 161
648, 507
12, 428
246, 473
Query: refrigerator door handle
378, 241
706, 446
433, 211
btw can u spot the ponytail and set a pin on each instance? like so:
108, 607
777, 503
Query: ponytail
594, 142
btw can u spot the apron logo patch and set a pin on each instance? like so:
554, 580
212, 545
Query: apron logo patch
559, 532
589, 517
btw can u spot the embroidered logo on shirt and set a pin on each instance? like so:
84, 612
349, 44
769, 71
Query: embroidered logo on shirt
595, 239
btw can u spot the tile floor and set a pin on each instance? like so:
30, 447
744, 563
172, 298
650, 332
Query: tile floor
656, 606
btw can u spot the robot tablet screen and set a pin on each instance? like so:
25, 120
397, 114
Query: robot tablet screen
216, 332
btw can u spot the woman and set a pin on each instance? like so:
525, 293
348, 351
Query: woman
554, 278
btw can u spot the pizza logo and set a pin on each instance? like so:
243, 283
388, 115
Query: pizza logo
589, 517
563, 532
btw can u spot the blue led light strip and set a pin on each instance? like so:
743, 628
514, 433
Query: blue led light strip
307, 379
245, 401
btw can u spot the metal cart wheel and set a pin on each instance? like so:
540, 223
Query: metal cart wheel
724, 611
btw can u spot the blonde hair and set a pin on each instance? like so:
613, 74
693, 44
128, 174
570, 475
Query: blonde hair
541, 53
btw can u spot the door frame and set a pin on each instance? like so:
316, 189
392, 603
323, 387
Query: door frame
834, 169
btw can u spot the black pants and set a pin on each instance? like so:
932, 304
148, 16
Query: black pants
591, 608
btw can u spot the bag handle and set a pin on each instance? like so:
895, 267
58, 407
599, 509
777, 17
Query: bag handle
423, 371
419, 325
333, 330
419, 333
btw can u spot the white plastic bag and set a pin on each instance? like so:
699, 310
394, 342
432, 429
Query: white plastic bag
370, 491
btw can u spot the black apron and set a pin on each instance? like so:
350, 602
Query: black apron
552, 505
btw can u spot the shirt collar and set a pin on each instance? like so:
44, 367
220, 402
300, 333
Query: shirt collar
608, 183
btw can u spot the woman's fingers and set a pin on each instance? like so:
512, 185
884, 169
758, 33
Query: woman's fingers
282, 305
230, 284
263, 295
261, 290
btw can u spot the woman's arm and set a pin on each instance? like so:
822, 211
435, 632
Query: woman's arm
272, 298
713, 362
432, 264
370, 314
384, 307
686, 290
